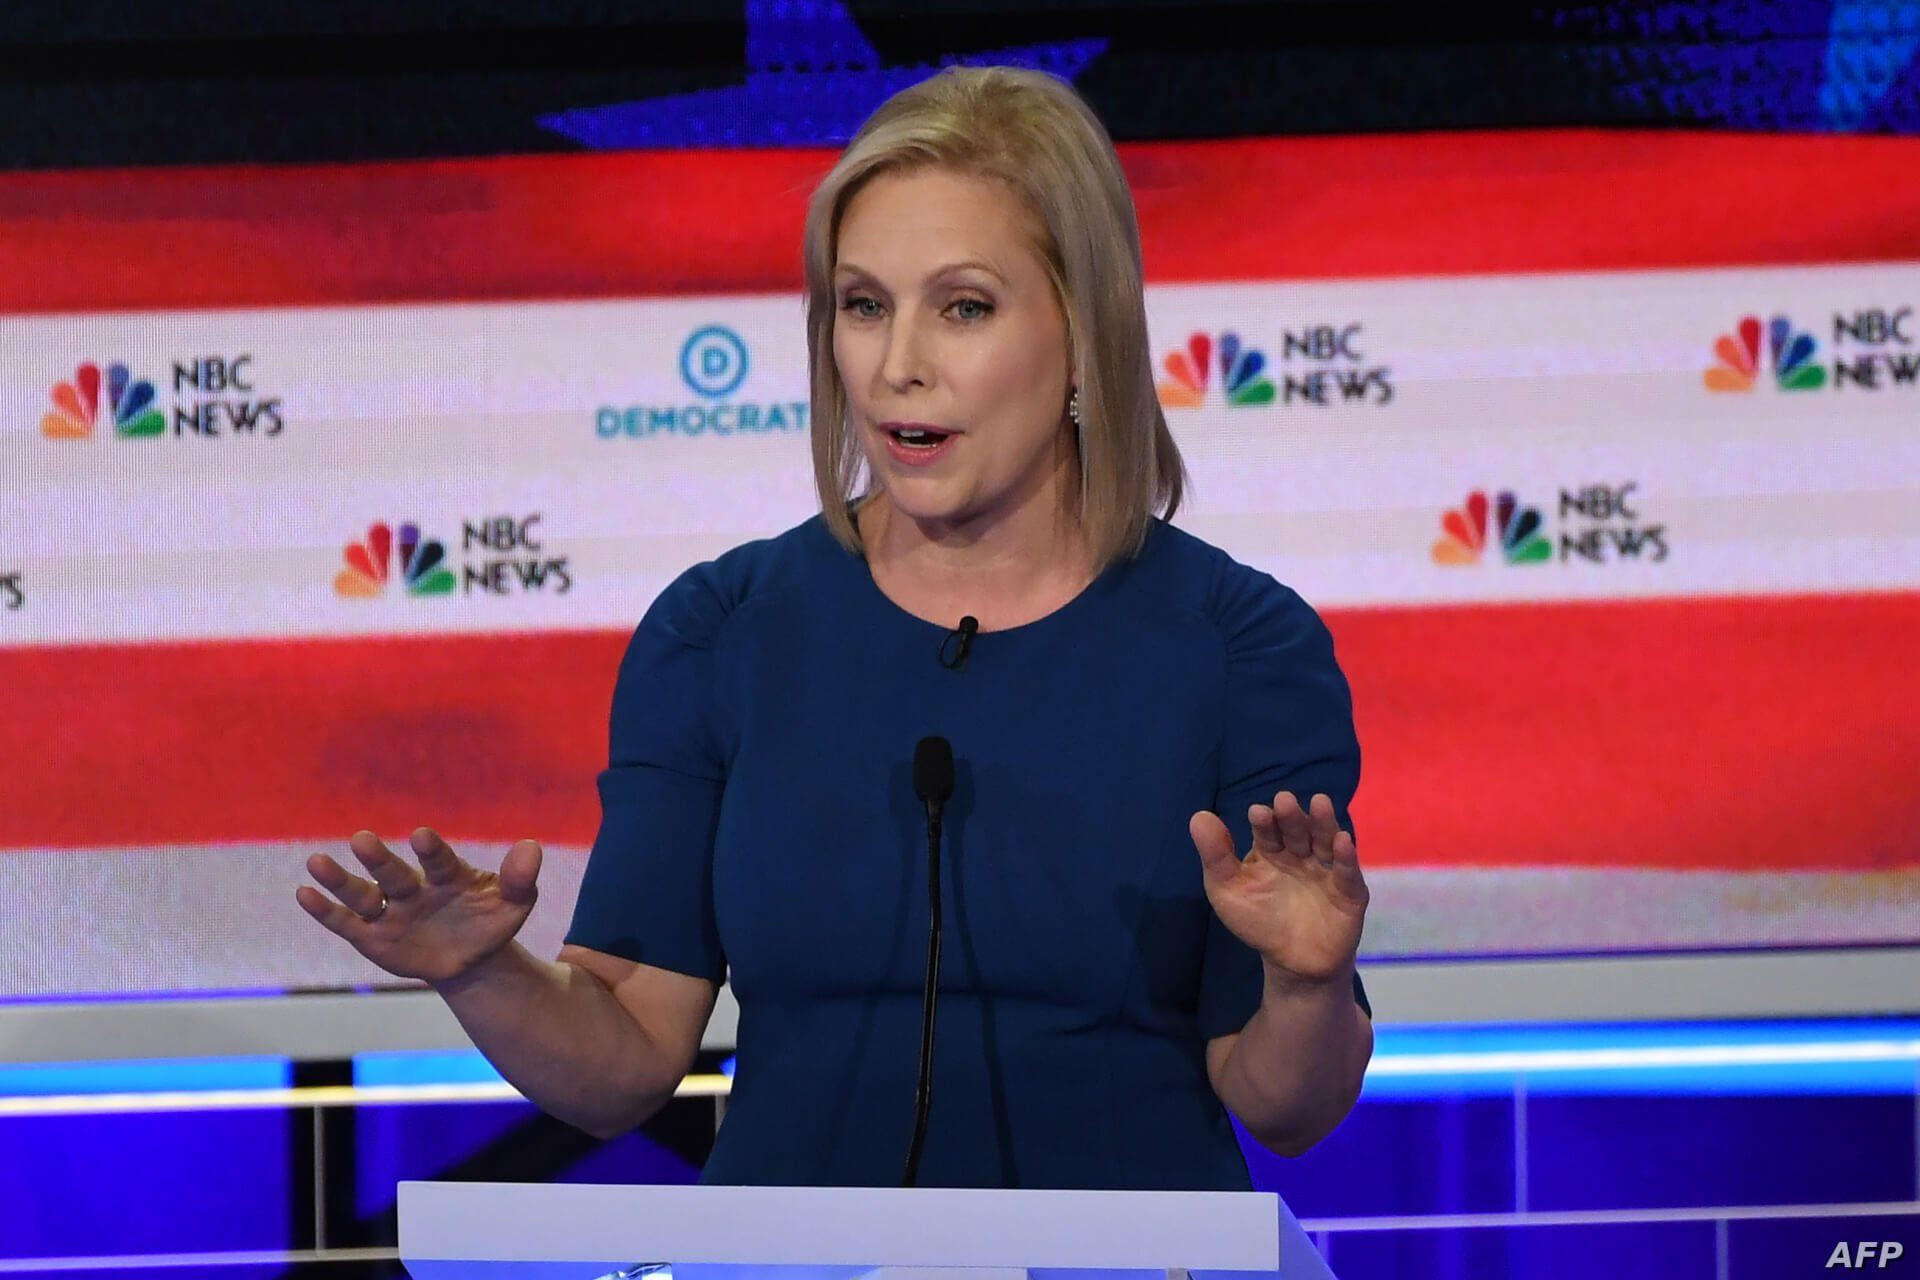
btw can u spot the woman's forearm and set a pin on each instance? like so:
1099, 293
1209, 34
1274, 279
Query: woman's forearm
1296, 1068
559, 1036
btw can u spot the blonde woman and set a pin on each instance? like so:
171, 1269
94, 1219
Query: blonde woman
1131, 712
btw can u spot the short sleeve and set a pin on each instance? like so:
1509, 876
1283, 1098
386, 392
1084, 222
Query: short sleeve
647, 894
1288, 727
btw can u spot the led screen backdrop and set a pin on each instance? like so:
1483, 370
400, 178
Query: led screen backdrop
1622, 558
333, 486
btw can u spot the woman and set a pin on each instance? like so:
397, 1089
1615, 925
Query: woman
1117, 979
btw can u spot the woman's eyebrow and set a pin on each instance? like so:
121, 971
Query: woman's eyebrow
850, 269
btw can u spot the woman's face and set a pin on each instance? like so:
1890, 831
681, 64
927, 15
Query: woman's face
946, 320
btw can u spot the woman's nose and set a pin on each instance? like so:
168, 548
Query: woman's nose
905, 359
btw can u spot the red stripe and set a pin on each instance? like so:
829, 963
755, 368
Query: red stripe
1723, 733
640, 223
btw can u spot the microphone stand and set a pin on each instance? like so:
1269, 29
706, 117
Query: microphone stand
933, 780
923, 1091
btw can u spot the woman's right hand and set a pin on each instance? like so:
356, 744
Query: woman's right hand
439, 922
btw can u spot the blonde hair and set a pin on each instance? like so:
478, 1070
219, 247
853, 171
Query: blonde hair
1032, 131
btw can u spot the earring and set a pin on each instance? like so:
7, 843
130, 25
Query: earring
1073, 406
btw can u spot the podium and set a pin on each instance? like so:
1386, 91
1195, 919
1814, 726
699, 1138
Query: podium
540, 1231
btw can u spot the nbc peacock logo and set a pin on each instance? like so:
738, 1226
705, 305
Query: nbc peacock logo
1463, 532
369, 562
1737, 356
76, 405
1189, 369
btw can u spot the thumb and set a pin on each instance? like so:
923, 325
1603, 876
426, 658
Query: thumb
518, 871
1218, 861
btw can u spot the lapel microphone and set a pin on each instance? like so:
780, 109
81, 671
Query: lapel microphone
963, 634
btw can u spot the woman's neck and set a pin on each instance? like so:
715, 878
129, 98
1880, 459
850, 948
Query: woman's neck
1005, 574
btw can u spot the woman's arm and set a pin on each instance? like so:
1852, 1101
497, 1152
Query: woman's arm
1299, 902
596, 1040
1289, 1099
592, 1039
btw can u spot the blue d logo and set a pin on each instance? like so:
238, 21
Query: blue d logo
714, 361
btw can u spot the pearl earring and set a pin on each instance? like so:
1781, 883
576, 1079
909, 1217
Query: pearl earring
1073, 406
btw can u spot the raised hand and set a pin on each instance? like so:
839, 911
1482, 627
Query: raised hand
435, 923
1298, 897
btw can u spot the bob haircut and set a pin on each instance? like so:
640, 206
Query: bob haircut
1032, 132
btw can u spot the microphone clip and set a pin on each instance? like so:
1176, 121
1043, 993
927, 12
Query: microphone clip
963, 634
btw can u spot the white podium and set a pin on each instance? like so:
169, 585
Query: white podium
536, 1231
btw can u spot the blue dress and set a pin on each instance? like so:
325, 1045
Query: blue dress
759, 823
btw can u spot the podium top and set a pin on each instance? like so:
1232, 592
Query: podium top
862, 1227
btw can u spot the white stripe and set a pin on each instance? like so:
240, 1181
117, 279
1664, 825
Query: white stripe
1602, 1217
239, 1258
694, 1086
444, 413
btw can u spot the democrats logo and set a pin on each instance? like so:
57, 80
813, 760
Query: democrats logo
714, 366
713, 362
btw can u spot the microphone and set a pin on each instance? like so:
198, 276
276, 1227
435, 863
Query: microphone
933, 783
969, 628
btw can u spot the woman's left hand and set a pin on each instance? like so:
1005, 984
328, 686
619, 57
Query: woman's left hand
1298, 897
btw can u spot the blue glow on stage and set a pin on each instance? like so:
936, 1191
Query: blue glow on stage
1825, 1057
189, 1075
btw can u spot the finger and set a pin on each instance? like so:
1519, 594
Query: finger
517, 873
440, 863
1321, 815
1218, 861
335, 917
1266, 832
1296, 832
1344, 852
1345, 875
361, 896
396, 879
1325, 825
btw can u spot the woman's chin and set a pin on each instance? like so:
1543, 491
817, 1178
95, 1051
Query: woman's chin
922, 499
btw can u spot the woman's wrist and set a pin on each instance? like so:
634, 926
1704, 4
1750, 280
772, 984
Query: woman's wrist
489, 970
1280, 983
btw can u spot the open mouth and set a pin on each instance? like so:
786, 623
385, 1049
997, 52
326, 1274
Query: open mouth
920, 437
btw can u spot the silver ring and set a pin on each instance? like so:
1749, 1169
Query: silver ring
382, 911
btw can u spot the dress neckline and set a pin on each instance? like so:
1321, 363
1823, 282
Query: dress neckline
1083, 599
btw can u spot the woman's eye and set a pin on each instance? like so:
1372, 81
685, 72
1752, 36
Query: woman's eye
857, 304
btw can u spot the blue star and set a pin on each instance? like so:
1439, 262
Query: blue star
812, 78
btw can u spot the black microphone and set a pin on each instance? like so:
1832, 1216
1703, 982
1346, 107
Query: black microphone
969, 628
933, 783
